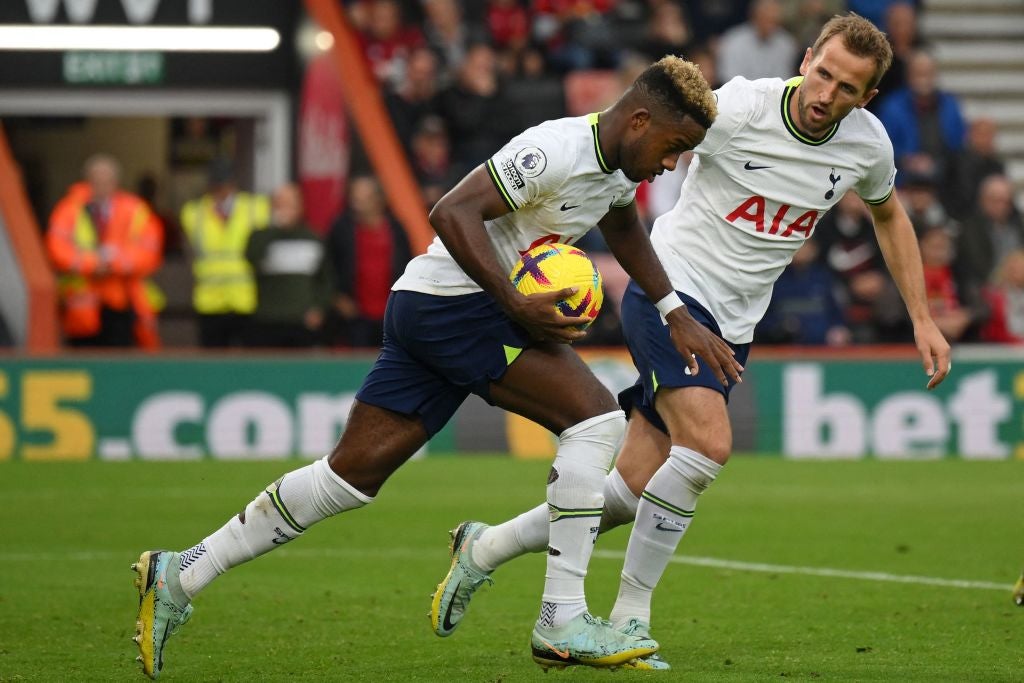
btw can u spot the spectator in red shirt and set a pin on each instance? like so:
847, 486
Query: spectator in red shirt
369, 249
387, 41
508, 23
1006, 299
947, 309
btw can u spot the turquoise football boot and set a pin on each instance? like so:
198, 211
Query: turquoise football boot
588, 641
635, 627
159, 617
451, 599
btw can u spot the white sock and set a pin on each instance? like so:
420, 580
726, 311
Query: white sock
665, 511
528, 533
575, 499
619, 502
279, 514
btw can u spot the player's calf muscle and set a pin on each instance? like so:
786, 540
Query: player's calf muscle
376, 442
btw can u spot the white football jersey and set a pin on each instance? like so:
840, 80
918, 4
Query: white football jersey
754, 192
554, 179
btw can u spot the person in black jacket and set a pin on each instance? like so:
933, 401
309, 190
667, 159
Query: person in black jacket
292, 274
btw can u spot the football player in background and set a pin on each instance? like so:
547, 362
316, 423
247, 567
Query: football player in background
1018, 591
455, 325
778, 156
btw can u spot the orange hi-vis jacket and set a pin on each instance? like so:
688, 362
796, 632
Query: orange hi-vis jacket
133, 237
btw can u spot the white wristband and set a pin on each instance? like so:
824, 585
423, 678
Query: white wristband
669, 304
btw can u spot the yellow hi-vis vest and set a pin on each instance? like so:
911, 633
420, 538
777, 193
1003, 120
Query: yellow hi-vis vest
223, 277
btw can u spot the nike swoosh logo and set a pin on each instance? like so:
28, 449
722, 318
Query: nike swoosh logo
447, 621
667, 528
560, 653
566, 207
750, 167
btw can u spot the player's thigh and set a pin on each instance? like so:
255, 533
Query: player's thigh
644, 450
551, 385
696, 418
375, 443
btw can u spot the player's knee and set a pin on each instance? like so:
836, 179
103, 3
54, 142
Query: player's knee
597, 435
364, 475
366, 482
717, 448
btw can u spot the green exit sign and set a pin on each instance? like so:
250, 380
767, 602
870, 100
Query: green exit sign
113, 68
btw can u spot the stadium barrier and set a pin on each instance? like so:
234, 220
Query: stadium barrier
798, 403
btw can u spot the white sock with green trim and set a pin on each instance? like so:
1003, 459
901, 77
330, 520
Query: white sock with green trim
279, 514
528, 532
662, 517
575, 499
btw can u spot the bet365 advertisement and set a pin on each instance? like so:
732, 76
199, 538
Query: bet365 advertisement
238, 406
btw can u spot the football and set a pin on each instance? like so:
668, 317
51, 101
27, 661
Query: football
550, 267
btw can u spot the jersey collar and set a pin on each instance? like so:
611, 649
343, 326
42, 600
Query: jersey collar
787, 95
592, 120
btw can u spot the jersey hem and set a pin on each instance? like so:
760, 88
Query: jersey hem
883, 200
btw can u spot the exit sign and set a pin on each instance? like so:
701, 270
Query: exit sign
107, 68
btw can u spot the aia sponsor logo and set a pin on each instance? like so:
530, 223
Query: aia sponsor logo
755, 211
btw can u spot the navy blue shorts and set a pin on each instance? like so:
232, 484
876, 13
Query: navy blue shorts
438, 350
656, 357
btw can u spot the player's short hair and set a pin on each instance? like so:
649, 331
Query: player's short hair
678, 86
860, 37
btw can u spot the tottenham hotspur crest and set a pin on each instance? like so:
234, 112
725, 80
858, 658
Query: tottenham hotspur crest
833, 178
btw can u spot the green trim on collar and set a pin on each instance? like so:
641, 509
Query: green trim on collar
592, 119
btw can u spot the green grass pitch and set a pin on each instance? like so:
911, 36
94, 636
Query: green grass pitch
349, 601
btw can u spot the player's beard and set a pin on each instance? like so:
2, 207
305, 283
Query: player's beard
805, 125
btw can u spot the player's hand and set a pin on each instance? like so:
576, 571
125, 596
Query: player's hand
537, 313
934, 350
690, 337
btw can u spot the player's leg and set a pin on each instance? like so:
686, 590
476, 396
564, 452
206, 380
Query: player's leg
690, 410
478, 549
399, 406
376, 441
643, 451
549, 384
701, 440
552, 386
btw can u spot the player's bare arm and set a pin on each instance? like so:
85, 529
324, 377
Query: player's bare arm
629, 243
898, 243
459, 219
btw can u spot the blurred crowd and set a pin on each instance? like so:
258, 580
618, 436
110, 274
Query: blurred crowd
460, 78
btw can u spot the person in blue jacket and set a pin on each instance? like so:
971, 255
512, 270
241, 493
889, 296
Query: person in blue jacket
924, 123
